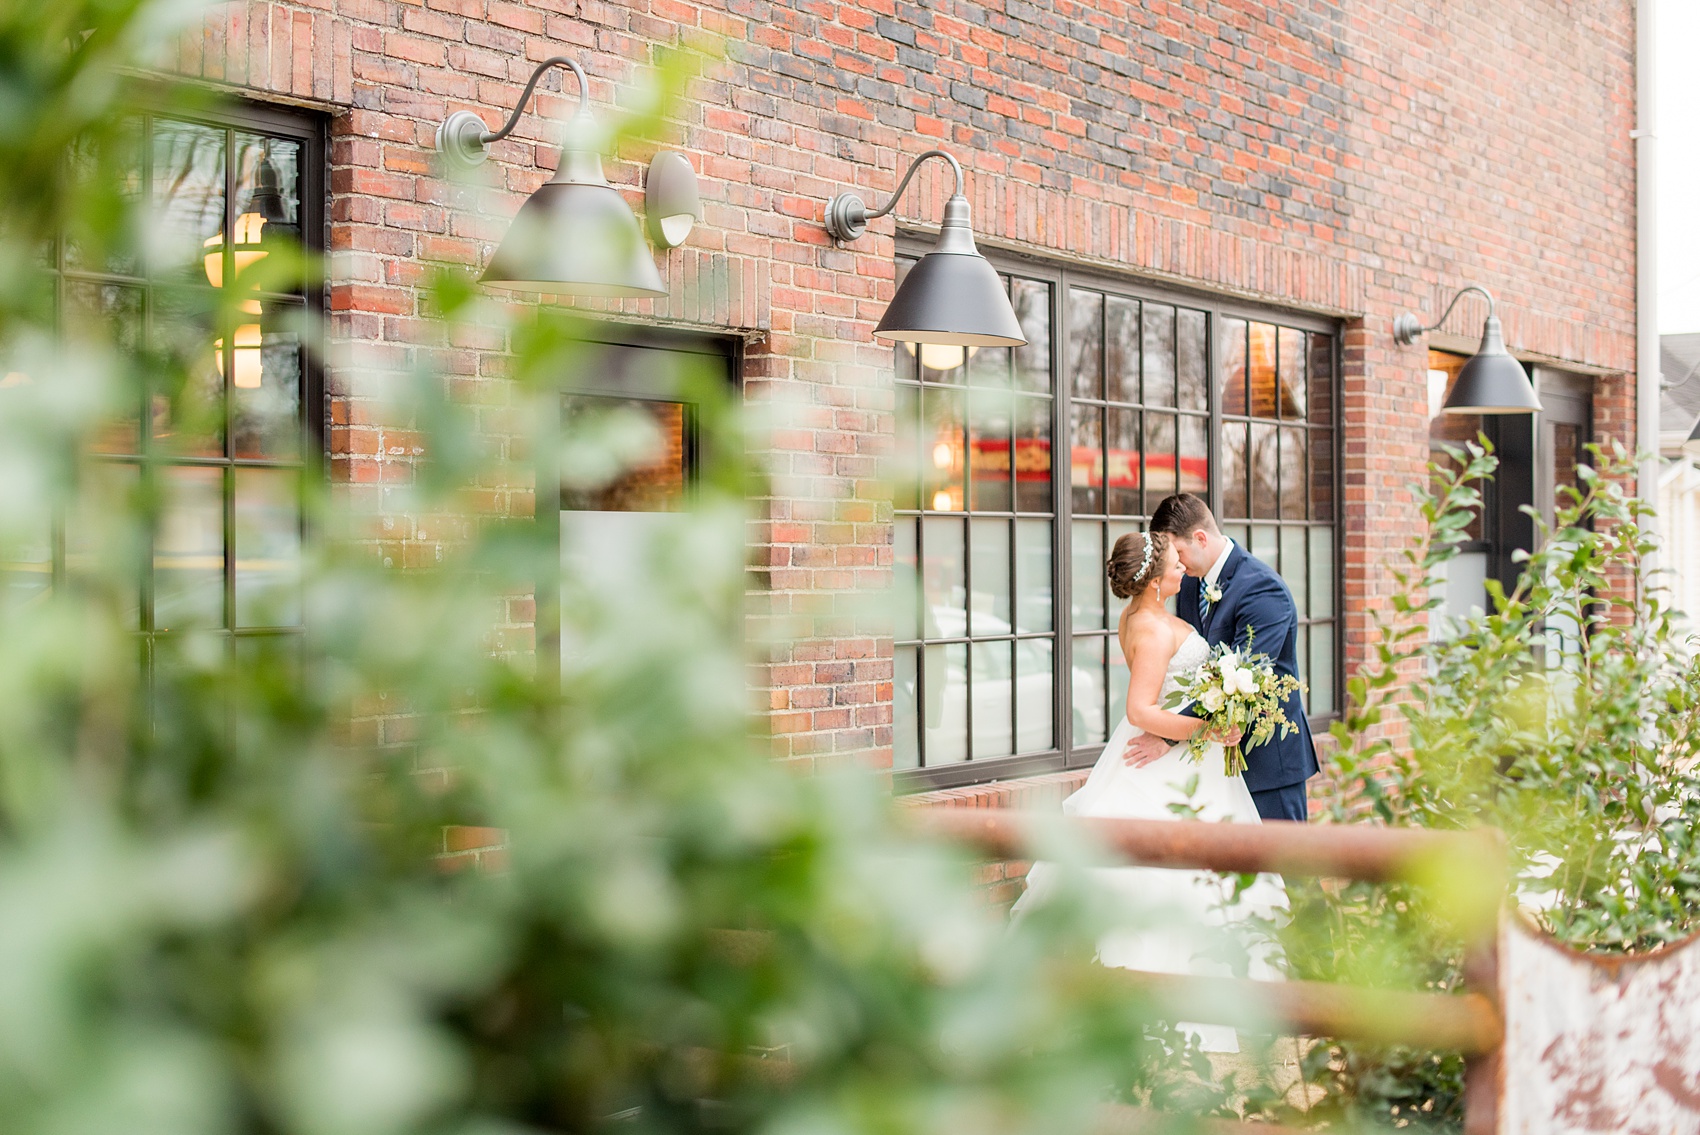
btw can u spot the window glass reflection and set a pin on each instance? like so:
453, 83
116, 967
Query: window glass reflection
189, 549
653, 439
989, 450
1086, 343
1032, 301
989, 564
188, 199
1121, 341
265, 411
1290, 362
1141, 386
1122, 466
217, 438
1035, 709
994, 707
1192, 360
947, 708
268, 548
1086, 457
942, 465
1159, 354
1089, 690
1161, 459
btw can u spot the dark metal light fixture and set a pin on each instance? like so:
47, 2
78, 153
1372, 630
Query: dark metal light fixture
574, 236
952, 297
1491, 382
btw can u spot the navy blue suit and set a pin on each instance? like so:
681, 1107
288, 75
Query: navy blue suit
1254, 596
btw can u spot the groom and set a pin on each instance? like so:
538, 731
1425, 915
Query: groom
1226, 594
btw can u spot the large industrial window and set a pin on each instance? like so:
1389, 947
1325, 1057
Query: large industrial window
1006, 657
225, 447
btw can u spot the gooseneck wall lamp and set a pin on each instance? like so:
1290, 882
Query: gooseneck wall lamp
576, 235
952, 301
1491, 382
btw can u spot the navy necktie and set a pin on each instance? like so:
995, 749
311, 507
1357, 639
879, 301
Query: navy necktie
1204, 605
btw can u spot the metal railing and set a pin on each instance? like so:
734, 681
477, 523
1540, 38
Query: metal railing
1470, 1022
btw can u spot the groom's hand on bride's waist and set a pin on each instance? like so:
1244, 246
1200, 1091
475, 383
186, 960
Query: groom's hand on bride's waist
1144, 749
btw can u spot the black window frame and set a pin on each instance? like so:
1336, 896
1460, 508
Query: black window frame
726, 349
308, 129
1061, 276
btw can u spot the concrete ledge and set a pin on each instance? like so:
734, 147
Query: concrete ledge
1039, 792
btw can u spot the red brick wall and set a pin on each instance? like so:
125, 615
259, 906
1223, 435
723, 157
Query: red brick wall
1349, 158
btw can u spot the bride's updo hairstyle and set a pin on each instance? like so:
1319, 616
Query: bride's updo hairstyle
1135, 562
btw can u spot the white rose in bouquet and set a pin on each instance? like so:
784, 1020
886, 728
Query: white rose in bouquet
1232, 690
1238, 681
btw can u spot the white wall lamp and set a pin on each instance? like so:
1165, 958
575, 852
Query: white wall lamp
951, 302
671, 204
1491, 382
576, 235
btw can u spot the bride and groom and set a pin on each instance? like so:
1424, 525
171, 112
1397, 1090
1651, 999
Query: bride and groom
1223, 595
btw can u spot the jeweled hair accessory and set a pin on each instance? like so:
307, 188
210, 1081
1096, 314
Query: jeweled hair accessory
1145, 563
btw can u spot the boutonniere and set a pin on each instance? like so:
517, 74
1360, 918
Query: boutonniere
1213, 593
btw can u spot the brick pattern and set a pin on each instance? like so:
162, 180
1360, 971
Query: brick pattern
1345, 158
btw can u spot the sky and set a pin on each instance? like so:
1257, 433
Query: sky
1678, 110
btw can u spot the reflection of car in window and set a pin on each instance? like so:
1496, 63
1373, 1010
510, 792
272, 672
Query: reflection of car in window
994, 684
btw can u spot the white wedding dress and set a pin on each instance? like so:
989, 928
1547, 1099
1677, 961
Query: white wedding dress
1177, 919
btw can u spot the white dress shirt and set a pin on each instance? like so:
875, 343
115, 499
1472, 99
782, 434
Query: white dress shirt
1215, 572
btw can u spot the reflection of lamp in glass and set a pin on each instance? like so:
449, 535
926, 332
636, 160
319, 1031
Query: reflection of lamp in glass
245, 363
941, 356
941, 501
265, 207
943, 455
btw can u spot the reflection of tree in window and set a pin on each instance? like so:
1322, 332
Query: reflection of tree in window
650, 438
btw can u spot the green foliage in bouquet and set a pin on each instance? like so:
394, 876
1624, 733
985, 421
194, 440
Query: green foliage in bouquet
1235, 690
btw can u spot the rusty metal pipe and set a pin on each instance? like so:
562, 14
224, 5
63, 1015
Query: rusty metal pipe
1337, 850
1464, 1023
1120, 1119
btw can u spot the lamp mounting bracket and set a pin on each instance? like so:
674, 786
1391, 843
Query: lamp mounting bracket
1408, 328
464, 139
847, 215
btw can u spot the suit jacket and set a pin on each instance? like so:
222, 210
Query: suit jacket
1255, 596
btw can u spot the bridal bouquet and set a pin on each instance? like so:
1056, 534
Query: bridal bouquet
1236, 690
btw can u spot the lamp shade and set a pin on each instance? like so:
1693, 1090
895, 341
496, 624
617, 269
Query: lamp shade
575, 239
1492, 382
952, 295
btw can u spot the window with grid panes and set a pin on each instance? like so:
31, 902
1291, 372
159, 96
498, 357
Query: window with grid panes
975, 520
1277, 484
225, 448
1004, 610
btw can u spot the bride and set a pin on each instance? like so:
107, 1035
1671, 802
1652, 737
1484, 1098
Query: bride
1176, 919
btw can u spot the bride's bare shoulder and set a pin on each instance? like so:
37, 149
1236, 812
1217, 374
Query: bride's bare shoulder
1146, 626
